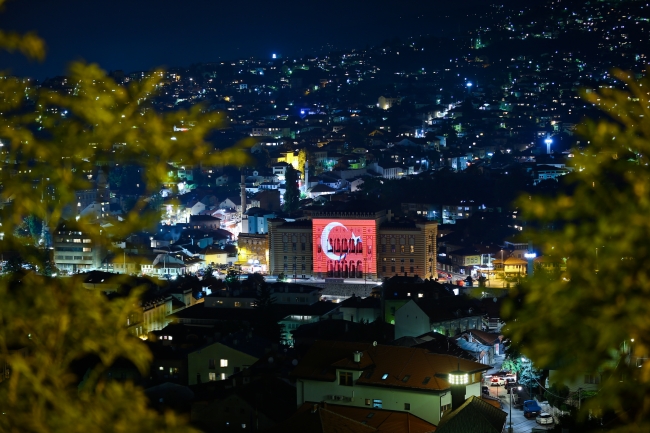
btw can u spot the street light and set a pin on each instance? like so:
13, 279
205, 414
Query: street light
510, 428
548, 142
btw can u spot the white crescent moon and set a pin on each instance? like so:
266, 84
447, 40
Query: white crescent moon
325, 236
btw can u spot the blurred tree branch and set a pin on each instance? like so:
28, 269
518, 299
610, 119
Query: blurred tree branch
51, 140
592, 319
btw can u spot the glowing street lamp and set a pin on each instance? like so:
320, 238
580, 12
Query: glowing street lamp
548, 141
512, 392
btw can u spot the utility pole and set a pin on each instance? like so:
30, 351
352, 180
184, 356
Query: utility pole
579, 398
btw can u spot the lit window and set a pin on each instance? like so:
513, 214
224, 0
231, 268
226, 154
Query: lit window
345, 378
161, 368
224, 363
212, 377
223, 376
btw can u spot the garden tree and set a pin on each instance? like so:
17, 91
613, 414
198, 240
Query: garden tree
528, 375
268, 316
35, 227
557, 394
305, 155
232, 279
56, 321
292, 193
592, 319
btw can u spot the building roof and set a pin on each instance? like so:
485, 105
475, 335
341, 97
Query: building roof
487, 338
313, 418
473, 416
321, 188
383, 366
324, 417
449, 308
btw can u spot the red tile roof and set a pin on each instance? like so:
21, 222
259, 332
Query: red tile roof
383, 365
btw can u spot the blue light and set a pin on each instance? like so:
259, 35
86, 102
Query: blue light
275, 56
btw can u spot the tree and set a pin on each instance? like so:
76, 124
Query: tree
292, 193
592, 319
35, 228
266, 308
56, 322
305, 156
557, 394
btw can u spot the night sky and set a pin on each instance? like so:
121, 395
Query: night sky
143, 34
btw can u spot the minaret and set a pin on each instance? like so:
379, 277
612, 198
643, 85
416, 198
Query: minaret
244, 228
306, 183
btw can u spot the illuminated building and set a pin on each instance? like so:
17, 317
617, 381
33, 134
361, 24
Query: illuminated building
75, 251
352, 245
253, 252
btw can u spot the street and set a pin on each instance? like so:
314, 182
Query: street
520, 424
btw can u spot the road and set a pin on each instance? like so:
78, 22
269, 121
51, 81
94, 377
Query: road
520, 424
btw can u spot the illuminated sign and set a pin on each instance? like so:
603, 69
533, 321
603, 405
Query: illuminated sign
344, 248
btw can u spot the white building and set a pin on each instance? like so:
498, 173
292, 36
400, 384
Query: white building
396, 378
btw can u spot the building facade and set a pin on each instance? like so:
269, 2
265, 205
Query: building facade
74, 251
352, 245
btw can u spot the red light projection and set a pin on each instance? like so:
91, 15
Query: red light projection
344, 248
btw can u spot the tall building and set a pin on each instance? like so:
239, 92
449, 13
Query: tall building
74, 251
352, 244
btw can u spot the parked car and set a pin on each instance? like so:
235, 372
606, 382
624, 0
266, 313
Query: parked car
544, 418
497, 381
510, 385
531, 409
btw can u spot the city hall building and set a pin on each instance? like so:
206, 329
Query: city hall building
352, 244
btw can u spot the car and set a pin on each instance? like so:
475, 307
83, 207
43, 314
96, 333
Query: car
531, 408
544, 419
497, 381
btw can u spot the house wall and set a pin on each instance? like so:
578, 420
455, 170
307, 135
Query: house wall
574, 385
391, 260
424, 404
155, 317
391, 307
411, 321
358, 314
453, 327
283, 256
231, 413
198, 362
